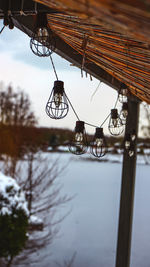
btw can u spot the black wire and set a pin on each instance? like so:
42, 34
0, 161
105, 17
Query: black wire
72, 107
105, 120
2, 29
116, 101
54, 67
91, 125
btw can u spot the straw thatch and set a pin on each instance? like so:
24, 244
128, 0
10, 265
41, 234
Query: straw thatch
115, 35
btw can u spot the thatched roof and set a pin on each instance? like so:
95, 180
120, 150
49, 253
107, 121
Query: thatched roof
110, 39
113, 34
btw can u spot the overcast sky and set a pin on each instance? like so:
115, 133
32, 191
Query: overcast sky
21, 68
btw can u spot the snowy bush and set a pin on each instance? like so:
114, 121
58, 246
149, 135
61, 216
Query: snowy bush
13, 217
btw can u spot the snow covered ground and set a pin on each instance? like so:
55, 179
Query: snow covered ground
90, 229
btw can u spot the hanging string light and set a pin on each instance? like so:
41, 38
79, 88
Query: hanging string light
98, 146
78, 144
123, 93
133, 135
57, 106
124, 112
115, 125
42, 43
129, 144
131, 151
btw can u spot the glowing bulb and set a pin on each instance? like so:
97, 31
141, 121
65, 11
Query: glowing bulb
98, 146
78, 144
123, 93
133, 135
127, 144
57, 106
57, 99
131, 153
43, 35
99, 142
115, 125
42, 43
79, 137
124, 112
115, 122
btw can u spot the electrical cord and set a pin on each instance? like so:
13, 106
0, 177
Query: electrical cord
73, 109
2, 29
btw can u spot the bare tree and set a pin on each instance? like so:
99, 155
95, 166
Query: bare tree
44, 197
68, 263
33, 172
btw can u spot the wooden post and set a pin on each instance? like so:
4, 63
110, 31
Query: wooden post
127, 190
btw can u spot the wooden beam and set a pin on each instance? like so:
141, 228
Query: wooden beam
29, 7
127, 190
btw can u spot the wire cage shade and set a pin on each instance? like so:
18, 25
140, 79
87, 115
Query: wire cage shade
124, 113
98, 146
115, 125
78, 144
57, 106
42, 42
123, 93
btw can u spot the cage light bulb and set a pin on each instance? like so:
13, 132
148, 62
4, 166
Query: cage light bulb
124, 112
79, 137
115, 122
127, 144
57, 99
131, 153
133, 135
57, 106
123, 93
99, 141
115, 125
42, 42
78, 144
98, 146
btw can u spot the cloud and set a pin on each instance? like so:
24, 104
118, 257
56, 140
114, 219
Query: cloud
17, 44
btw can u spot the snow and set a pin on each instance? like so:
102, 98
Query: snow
11, 196
35, 220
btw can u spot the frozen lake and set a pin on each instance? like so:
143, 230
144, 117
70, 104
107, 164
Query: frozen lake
90, 230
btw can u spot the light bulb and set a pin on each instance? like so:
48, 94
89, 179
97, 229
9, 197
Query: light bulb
127, 142
115, 122
79, 137
124, 112
78, 143
115, 125
57, 99
43, 35
98, 146
133, 135
123, 93
42, 43
131, 153
129, 145
99, 142
57, 106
